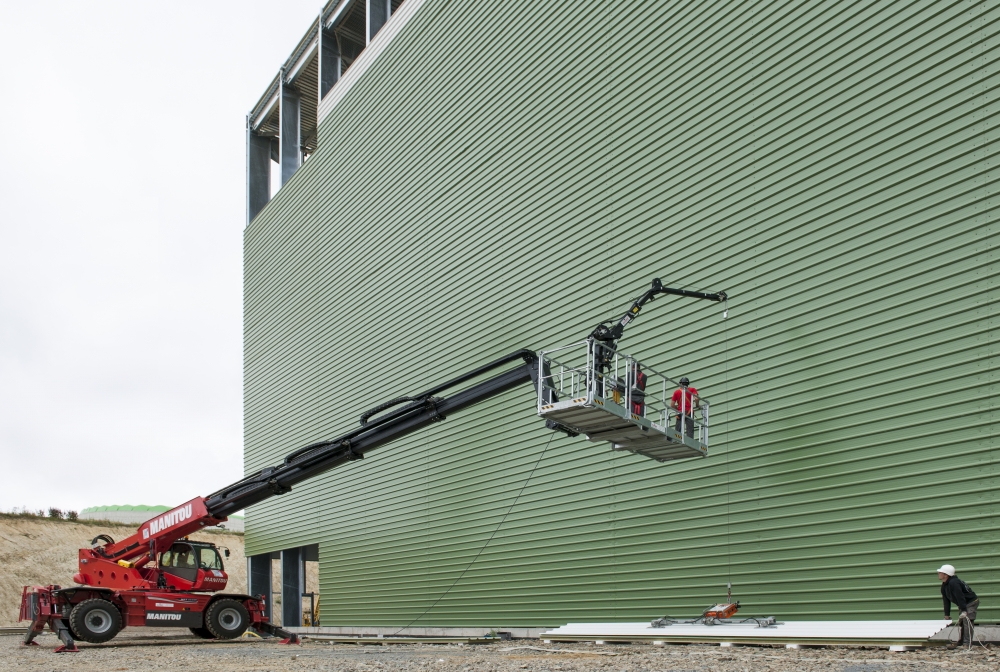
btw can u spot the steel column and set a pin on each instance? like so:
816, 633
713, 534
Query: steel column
292, 578
258, 173
329, 62
290, 139
259, 579
376, 14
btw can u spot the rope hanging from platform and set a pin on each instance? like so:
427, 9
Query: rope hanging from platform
497, 529
729, 552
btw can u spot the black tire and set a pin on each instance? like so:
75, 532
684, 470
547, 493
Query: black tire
69, 625
227, 619
95, 621
202, 632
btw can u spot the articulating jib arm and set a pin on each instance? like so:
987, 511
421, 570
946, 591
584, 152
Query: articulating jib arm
610, 335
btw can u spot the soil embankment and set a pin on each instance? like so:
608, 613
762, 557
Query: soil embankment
40, 551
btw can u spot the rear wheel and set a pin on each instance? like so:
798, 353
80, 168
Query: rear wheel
227, 619
72, 631
95, 621
202, 632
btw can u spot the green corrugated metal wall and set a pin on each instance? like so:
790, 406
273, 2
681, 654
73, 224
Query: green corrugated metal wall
509, 173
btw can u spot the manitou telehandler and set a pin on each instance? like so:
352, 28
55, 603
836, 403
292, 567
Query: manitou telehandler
158, 577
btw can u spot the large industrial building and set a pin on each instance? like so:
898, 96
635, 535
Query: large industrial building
457, 180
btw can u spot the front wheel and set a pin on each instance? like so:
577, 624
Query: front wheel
202, 632
227, 619
95, 620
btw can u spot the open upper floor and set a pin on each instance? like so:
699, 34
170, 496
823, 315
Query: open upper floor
281, 128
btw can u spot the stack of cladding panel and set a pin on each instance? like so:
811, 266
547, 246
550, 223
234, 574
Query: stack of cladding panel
506, 176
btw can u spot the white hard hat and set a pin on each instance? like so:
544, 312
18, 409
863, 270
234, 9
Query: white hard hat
946, 569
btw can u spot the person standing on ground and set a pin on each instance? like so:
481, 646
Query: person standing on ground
953, 589
683, 401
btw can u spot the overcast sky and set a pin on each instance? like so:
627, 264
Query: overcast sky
122, 217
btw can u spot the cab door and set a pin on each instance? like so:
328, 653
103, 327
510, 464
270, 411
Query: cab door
180, 562
212, 575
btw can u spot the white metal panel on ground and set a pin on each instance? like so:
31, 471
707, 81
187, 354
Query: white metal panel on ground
807, 631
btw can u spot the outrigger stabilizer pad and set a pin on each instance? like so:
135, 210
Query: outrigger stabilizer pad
59, 627
275, 631
69, 646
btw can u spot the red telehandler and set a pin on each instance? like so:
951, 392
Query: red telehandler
158, 577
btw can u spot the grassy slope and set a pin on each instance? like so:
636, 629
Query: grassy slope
41, 551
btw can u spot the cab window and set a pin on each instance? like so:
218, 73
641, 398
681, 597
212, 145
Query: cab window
209, 559
180, 556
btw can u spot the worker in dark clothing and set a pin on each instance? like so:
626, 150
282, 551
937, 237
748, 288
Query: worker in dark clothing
953, 589
684, 401
637, 381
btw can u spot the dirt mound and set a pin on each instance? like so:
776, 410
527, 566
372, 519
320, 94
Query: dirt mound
37, 551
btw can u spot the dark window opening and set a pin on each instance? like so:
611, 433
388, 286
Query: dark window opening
349, 31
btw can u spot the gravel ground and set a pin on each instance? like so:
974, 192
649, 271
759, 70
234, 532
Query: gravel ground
139, 650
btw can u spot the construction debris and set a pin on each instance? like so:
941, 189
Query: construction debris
558, 650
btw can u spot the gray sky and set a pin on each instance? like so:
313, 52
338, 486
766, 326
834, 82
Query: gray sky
122, 191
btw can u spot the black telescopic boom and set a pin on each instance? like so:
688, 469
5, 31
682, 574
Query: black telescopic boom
410, 414
423, 410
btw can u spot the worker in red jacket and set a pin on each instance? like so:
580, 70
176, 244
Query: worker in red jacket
684, 401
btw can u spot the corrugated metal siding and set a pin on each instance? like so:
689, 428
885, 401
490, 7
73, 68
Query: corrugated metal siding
507, 175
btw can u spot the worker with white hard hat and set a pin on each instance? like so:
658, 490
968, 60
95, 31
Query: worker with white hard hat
953, 589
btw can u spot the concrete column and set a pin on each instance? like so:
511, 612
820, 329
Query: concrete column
290, 133
329, 62
258, 172
259, 578
376, 14
292, 586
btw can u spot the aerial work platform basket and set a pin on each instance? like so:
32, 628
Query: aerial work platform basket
606, 396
